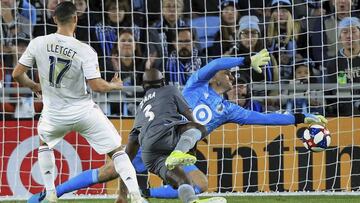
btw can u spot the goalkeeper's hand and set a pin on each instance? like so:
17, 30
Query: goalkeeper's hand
315, 119
260, 59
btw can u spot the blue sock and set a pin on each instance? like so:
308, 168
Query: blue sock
83, 180
167, 192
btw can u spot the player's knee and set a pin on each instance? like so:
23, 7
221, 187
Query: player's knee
119, 149
201, 128
42, 143
193, 125
107, 172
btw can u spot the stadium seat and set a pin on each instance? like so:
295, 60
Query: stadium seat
206, 28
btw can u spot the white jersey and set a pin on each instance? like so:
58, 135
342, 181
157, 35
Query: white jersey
64, 63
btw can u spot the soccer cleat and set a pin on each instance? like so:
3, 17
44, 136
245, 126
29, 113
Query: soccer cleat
211, 200
38, 197
136, 198
50, 198
145, 193
177, 158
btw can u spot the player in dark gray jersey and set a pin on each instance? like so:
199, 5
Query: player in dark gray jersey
166, 131
160, 111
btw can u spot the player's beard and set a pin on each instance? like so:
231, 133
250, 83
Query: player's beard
184, 55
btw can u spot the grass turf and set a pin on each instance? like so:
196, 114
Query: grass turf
240, 199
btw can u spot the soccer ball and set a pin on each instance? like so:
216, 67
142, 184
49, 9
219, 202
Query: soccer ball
316, 138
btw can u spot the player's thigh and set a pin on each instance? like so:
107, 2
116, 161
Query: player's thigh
98, 131
51, 131
163, 141
192, 125
156, 164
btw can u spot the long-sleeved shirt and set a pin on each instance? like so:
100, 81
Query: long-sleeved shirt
212, 110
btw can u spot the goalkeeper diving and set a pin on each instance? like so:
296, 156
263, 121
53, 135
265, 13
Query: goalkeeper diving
204, 94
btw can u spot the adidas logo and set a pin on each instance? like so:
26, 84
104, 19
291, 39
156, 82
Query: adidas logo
128, 178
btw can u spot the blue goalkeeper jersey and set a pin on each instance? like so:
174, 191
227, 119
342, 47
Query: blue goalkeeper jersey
212, 110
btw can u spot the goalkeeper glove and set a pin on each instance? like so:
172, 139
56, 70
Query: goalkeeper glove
260, 59
315, 119
310, 119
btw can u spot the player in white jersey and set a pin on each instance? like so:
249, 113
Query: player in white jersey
65, 65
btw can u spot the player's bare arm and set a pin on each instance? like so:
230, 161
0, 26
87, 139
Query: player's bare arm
131, 148
188, 115
19, 75
101, 85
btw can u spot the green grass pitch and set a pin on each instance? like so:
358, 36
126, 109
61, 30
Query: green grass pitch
240, 199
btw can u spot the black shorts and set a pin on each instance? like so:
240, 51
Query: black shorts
157, 152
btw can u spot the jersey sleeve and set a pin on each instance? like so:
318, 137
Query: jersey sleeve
180, 102
239, 115
91, 65
204, 74
28, 57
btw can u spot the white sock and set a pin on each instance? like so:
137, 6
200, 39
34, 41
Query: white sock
186, 193
47, 166
188, 140
125, 169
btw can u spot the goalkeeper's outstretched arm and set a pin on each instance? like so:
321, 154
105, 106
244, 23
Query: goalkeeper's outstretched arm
241, 116
225, 63
260, 59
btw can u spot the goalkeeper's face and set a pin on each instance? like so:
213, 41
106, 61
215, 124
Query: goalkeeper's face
224, 80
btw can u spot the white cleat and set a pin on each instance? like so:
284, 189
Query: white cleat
50, 198
136, 198
211, 200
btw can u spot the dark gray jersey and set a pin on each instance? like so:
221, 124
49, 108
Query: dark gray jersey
160, 110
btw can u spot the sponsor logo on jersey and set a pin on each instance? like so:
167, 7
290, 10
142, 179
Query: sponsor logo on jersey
202, 114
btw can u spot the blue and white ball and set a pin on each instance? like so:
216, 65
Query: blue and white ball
316, 138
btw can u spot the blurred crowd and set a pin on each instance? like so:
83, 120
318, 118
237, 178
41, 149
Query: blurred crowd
310, 41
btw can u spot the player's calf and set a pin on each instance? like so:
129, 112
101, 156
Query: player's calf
107, 172
47, 168
125, 169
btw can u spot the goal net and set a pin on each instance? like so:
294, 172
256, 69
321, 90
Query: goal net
315, 68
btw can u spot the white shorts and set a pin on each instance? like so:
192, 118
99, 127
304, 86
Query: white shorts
94, 126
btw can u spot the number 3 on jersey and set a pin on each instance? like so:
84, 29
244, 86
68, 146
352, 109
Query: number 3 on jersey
58, 68
149, 114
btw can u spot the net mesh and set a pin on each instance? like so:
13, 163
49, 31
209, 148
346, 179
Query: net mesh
314, 68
